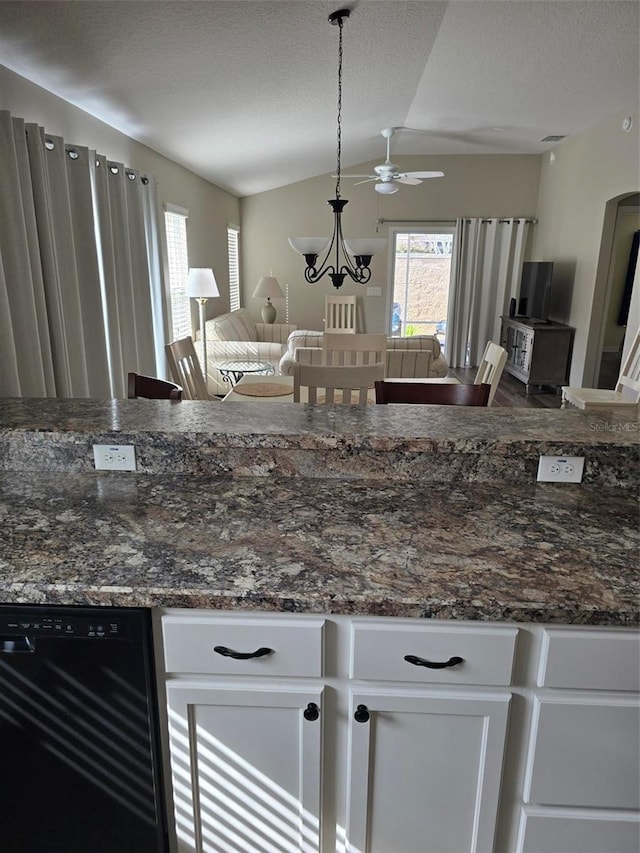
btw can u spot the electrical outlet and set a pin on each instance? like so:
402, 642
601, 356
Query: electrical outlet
114, 457
560, 469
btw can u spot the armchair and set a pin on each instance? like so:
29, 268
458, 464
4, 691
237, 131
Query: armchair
235, 336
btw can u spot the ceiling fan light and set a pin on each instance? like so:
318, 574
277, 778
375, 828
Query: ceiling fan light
387, 188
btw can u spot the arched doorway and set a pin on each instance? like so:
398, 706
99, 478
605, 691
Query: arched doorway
607, 335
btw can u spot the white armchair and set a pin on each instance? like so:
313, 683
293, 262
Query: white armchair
237, 337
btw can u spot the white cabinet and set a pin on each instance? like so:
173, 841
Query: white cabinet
425, 758
245, 767
424, 771
245, 736
378, 735
582, 781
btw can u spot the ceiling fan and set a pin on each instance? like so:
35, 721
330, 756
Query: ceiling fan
387, 175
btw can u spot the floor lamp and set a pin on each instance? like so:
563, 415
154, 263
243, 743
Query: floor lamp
201, 285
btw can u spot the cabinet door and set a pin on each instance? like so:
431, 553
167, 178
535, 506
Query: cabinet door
584, 752
246, 768
424, 772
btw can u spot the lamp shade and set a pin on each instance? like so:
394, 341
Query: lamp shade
309, 245
365, 245
386, 188
201, 283
269, 288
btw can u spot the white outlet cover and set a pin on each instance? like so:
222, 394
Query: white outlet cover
560, 469
114, 457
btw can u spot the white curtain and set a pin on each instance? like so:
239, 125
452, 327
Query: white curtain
76, 276
486, 275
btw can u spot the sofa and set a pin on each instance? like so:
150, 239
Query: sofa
235, 336
403, 359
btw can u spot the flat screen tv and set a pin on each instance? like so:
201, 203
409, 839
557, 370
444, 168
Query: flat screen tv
535, 287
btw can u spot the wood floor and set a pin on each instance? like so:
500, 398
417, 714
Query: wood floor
511, 392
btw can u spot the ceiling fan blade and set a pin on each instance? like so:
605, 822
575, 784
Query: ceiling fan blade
424, 175
405, 179
372, 177
366, 181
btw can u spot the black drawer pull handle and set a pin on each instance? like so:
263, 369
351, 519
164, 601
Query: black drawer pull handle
229, 653
311, 712
361, 714
432, 664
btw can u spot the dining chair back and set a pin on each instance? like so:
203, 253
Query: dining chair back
427, 392
151, 388
625, 394
337, 383
353, 350
185, 368
340, 314
491, 366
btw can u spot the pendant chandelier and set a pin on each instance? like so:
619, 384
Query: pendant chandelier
356, 254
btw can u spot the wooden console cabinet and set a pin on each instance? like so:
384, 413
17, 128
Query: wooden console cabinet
537, 353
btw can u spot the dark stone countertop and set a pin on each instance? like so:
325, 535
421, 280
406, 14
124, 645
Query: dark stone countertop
548, 553
432, 443
421, 511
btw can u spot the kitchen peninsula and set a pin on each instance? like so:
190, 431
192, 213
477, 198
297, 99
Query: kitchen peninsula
353, 545
392, 510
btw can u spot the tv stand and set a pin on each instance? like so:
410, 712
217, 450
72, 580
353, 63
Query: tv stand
537, 353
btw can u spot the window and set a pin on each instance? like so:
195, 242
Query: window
233, 234
421, 272
175, 220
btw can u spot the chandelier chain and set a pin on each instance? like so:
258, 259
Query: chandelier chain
339, 123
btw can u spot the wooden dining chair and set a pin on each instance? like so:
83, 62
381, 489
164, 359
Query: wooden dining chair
340, 314
491, 366
185, 369
151, 388
353, 350
626, 394
338, 383
427, 392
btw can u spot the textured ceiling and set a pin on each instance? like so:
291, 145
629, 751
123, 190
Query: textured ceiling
243, 92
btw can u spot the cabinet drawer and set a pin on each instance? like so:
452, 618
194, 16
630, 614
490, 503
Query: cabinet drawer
585, 832
598, 660
295, 645
584, 752
378, 652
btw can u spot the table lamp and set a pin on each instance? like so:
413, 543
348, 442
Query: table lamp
268, 287
201, 285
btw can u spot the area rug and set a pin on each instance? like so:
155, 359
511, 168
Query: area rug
266, 389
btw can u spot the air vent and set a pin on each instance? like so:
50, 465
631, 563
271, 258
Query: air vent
554, 137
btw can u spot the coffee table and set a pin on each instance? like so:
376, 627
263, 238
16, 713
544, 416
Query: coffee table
233, 371
257, 381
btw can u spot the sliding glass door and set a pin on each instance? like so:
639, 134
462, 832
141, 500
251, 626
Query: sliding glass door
421, 278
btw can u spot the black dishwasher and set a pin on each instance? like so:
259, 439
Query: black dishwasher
80, 766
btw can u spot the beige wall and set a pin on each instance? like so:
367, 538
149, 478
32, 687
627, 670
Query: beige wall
210, 208
489, 185
588, 172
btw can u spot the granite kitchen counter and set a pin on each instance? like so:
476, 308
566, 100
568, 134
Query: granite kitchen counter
548, 553
421, 511
435, 443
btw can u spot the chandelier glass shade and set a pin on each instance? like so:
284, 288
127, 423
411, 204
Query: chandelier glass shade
339, 258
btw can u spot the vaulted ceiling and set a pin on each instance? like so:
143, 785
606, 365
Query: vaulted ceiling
244, 92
